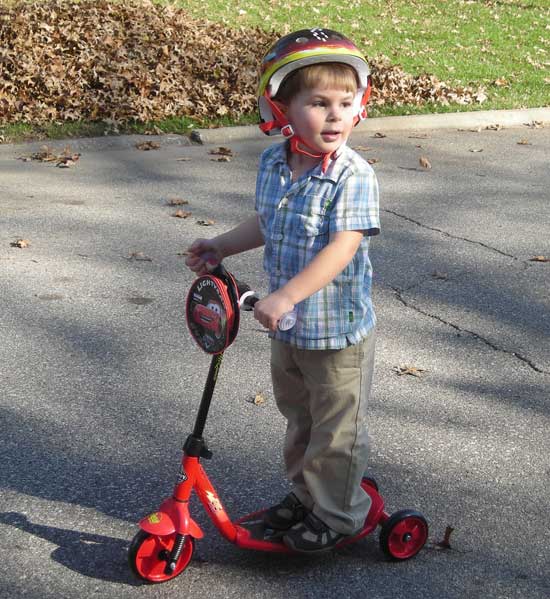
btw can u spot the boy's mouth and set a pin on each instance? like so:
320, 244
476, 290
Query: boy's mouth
330, 135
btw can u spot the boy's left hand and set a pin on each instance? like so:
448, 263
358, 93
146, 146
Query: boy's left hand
269, 310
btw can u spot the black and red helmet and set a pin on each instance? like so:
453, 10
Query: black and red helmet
304, 48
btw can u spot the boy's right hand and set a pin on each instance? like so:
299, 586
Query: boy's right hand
198, 251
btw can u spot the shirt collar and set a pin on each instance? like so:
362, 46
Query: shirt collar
337, 164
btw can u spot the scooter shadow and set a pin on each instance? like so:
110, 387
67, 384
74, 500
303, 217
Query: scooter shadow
92, 555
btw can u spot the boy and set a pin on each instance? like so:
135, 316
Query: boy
316, 207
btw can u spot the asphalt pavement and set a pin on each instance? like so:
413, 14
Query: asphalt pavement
100, 378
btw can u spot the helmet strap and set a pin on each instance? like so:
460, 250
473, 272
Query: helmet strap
297, 144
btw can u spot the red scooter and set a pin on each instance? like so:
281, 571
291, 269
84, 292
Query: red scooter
164, 546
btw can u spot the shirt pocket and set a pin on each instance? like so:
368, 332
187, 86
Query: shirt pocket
313, 224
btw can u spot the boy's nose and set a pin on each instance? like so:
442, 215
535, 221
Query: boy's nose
335, 113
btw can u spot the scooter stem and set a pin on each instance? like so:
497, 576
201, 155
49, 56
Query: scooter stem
207, 394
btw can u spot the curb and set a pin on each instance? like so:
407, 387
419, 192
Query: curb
454, 120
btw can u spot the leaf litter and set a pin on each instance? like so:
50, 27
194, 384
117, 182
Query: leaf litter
148, 62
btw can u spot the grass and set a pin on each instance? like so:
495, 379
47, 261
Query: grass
502, 45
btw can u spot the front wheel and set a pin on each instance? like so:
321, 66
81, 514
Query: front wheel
404, 534
148, 556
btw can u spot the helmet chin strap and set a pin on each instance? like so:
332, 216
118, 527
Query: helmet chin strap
297, 144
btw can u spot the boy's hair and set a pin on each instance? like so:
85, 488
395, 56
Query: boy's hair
324, 75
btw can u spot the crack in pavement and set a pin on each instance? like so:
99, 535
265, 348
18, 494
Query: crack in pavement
450, 235
399, 294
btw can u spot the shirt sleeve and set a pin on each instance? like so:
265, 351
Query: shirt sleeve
356, 204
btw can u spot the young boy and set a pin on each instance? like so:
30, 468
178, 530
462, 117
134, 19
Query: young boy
316, 207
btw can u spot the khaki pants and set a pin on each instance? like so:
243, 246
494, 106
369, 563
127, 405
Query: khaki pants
323, 395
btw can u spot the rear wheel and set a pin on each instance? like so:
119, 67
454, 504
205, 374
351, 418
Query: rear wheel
404, 534
148, 556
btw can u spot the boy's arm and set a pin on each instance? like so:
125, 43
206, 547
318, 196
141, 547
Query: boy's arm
326, 265
245, 236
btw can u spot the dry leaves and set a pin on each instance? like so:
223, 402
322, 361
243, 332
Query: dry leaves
177, 202
224, 154
258, 399
410, 370
20, 243
182, 214
205, 222
65, 159
539, 259
445, 543
148, 145
150, 61
424, 162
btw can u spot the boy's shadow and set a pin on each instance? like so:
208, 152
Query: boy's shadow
92, 555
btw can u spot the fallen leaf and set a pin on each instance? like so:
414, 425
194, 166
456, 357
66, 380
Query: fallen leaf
535, 125
440, 275
259, 399
148, 145
21, 243
183, 159
539, 259
495, 127
379, 135
424, 162
222, 151
182, 214
140, 257
411, 370
475, 150
523, 142
222, 159
362, 148
372, 160
205, 223
177, 202
446, 542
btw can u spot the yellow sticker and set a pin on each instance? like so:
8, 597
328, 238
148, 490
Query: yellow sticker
155, 518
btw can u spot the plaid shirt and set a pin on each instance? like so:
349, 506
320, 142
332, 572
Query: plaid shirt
296, 219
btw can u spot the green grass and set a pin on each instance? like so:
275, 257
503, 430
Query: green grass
502, 45
462, 42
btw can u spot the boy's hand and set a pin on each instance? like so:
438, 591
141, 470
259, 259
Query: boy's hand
269, 310
200, 249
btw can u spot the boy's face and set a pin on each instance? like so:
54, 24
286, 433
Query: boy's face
322, 117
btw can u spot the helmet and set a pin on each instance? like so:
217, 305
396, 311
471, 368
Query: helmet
300, 49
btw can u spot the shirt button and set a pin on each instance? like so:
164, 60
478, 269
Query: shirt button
278, 237
283, 202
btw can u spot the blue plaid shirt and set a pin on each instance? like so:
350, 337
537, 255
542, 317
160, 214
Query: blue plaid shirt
296, 219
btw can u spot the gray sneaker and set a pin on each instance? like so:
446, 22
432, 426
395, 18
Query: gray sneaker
312, 536
286, 514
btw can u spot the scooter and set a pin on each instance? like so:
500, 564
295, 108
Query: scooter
164, 545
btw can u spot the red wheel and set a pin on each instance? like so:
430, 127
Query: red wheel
404, 534
148, 555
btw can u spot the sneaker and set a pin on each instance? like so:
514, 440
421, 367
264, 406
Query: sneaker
312, 535
286, 514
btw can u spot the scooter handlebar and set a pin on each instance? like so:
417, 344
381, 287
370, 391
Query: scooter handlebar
247, 297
